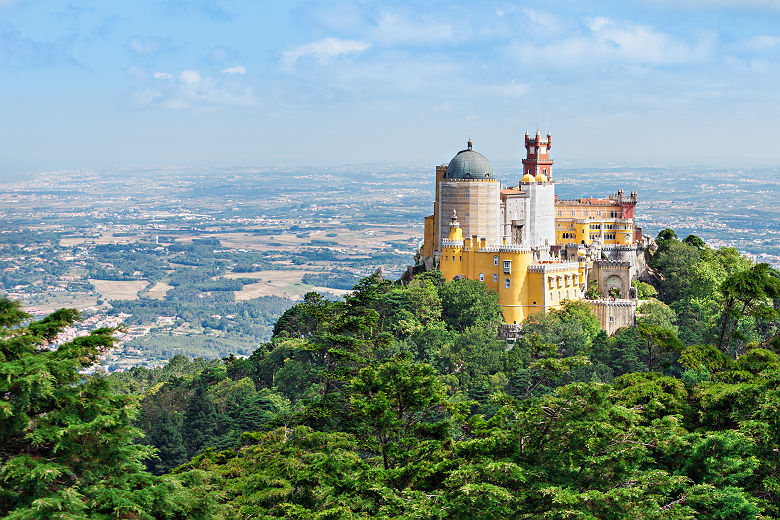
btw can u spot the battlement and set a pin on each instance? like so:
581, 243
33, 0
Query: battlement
613, 264
468, 180
586, 202
553, 267
606, 302
616, 247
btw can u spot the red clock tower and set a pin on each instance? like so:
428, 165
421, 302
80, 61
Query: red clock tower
537, 158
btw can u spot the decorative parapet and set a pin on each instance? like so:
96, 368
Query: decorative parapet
499, 249
446, 242
509, 331
611, 303
467, 180
553, 268
615, 247
613, 264
514, 249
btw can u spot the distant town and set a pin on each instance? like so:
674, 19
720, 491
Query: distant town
202, 263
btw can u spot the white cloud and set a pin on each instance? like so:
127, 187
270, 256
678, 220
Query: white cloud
618, 43
513, 89
148, 46
238, 69
541, 20
191, 78
189, 89
760, 43
393, 28
714, 4
324, 50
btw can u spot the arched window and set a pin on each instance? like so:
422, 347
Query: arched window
495, 277
506, 283
481, 277
495, 259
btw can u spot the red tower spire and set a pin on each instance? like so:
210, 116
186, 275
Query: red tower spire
537, 159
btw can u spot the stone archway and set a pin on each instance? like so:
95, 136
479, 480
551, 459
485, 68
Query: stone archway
616, 282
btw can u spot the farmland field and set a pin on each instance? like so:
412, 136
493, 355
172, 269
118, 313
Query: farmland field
119, 290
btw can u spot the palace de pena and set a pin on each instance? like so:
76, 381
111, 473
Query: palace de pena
534, 249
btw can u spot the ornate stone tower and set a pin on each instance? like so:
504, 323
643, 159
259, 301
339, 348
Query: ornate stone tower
469, 187
537, 158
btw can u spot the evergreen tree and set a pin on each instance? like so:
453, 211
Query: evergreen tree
166, 437
200, 421
469, 303
66, 440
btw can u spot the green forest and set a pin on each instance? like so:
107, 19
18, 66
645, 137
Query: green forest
401, 401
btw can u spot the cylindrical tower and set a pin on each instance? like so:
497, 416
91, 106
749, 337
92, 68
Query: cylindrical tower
451, 260
470, 188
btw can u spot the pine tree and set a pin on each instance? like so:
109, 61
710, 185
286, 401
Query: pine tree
166, 437
66, 440
200, 421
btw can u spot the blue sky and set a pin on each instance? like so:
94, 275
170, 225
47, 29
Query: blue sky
221, 82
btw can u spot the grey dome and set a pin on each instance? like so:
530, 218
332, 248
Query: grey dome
469, 164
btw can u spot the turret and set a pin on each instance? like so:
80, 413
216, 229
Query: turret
537, 160
455, 232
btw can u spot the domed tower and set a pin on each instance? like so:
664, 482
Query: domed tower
469, 187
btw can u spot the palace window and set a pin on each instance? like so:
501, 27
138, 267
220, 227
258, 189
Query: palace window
559, 295
507, 267
495, 259
506, 283
481, 277
612, 319
495, 277
560, 213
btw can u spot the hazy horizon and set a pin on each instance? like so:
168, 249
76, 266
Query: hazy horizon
217, 82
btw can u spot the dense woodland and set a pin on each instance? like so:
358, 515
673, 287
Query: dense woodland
402, 402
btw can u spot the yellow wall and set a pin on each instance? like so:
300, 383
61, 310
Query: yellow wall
570, 231
526, 292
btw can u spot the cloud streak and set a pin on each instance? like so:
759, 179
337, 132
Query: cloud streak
190, 89
612, 42
324, 50
238, 69
149, 46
